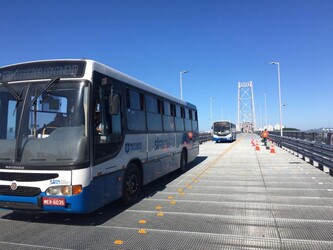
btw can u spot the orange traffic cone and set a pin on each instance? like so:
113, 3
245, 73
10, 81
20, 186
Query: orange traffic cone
257, 147
272, 149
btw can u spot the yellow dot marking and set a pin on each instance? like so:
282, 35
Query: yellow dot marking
170, 197
173, 202
160, 214
182, 194
189, 187
180, 190
142, 231
158, 207
118, 242
142, 222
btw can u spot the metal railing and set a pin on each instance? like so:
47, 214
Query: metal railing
319, 153
203, 137
318, 137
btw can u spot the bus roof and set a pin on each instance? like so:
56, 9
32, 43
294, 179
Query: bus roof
132, 81
92, 65
222, 121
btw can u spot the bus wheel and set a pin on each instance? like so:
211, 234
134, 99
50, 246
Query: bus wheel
183, 161
131, 185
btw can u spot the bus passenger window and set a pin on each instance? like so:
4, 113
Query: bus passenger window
154, 110
135, 111
194, 120
188, 125
115, 114
179, 119
168, 119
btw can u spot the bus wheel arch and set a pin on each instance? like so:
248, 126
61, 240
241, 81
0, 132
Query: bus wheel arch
132, 183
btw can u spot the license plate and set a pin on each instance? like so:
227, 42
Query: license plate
61, 202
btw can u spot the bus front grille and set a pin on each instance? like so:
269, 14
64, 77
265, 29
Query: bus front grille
20, 191
4, 176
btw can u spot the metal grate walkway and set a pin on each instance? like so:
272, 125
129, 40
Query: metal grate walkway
238, 198
234, 197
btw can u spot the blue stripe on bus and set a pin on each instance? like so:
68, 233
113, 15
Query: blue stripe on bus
91, 198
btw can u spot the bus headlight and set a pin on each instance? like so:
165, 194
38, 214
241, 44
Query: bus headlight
64, 190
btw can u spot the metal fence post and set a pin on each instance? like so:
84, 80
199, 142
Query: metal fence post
329, 138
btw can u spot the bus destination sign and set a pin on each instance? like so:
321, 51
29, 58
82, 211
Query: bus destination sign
42, 70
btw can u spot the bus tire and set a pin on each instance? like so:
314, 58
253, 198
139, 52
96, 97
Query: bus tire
183, 162
131, 184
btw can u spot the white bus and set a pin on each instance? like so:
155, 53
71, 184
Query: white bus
224, 131
76, 135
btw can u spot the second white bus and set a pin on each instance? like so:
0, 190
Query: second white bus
224, 131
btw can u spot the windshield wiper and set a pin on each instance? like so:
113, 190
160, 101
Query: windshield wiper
12, 91
17, 101
47, 86
34, 102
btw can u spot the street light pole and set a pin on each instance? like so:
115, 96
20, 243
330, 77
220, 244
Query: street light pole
266, 122
211, 111
181, 82
280, 102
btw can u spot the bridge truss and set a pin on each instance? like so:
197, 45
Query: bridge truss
246, 110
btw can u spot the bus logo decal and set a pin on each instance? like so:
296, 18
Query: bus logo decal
13, 186
55, 182
161, 144
137, 146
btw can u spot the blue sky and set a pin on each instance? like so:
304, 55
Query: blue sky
221, 43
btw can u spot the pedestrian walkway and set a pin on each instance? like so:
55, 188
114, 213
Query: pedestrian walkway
238, 197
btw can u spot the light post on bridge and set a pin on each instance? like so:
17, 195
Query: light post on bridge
280, 102
181, 82
211, 110
266, 122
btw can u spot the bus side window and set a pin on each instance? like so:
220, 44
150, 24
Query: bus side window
136, 117
114, 103
188, 123
110, 114
194, 120
179, 119
154, 113
168, 118
114, 112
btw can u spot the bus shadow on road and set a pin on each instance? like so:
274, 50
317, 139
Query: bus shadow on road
103, 214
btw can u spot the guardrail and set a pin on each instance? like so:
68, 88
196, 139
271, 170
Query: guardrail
318, 137
318, 153
203, 137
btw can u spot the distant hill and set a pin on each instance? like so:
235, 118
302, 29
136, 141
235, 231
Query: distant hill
320, 130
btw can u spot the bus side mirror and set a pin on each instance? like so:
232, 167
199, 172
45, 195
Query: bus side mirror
114, 102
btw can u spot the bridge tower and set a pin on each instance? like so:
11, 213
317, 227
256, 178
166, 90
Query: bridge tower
246, 112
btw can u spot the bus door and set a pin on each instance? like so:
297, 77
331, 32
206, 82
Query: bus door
107, 118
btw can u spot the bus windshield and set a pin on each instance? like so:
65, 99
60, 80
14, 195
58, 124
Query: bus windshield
221, 128
43, 123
